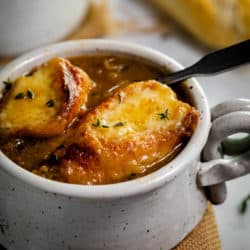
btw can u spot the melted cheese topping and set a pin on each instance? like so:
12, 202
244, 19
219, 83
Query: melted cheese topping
48, 101
139, 108
127, 134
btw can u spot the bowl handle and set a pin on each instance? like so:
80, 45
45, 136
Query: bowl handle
228, 118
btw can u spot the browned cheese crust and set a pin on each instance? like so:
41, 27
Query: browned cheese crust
127, 134
44, 103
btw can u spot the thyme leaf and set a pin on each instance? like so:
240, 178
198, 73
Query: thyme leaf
50, 103
97, 124
244, 204
30, 94
8, 85
61, 146
19, 96
164, 115
118, 124
105, 126
132, 176
52, 159
119, 98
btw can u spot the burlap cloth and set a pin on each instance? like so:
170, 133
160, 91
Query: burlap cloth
205, 236
100, 22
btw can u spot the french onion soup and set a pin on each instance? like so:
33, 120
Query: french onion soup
94, 119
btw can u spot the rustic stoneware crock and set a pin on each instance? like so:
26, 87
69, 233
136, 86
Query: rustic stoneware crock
153, 212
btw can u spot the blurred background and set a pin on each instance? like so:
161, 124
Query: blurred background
184, 30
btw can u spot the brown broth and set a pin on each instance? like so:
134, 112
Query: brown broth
110, 72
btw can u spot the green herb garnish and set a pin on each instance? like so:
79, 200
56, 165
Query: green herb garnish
118, 124
119, 98
243, 205
52, 158
164, 115
30, 94
60, 147
97, 124
8, 85
132, 176
20, 96
50, 103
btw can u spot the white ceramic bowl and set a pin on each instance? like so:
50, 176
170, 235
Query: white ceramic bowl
153, 212
28, 24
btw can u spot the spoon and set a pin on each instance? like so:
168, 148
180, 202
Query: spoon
212, 63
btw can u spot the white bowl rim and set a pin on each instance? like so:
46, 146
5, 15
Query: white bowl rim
123, 189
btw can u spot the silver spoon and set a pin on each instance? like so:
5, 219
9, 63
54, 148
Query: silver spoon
215, 62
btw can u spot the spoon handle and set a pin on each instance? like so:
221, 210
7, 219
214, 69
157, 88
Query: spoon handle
214, 62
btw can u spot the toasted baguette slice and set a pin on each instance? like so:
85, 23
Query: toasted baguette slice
217, 23
127, 134
45, 103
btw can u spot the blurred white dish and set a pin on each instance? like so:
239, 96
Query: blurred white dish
28, 24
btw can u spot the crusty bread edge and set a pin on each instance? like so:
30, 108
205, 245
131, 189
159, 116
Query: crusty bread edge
203, 20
